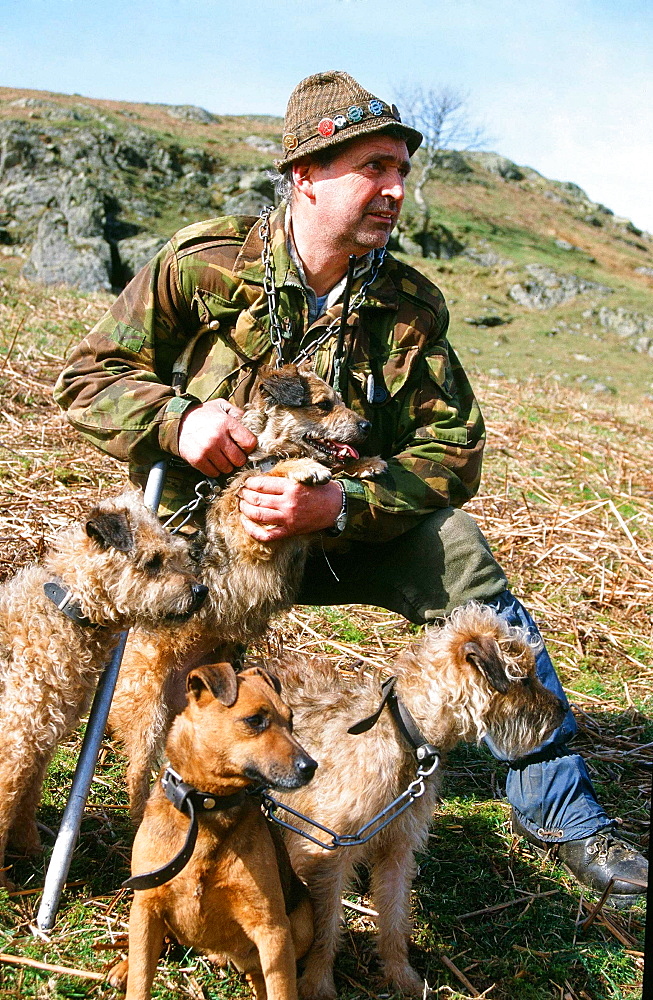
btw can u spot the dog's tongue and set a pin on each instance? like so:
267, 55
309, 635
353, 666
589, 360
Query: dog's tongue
345, 451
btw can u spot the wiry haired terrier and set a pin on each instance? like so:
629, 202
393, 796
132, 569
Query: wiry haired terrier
471, 678
305, 433
59, 623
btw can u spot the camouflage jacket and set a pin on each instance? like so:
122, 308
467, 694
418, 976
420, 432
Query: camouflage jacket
206, 286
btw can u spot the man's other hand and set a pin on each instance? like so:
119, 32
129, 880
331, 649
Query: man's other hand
273, 507
212, 438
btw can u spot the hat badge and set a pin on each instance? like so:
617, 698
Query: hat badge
326, 127
354, 113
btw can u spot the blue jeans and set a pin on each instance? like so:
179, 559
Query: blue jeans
441, 563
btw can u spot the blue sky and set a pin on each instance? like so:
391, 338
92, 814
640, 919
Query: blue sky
560, 85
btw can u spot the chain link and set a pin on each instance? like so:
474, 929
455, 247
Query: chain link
276, 329
415, 790
269, 287
203, 493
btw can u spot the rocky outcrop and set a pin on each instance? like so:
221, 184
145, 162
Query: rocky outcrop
497, 164
59, 257
190, 113
632, 326
86, 197
546, 288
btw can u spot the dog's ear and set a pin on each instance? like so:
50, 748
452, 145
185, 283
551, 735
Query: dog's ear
484, 654
284, 386
273, 681
217, 679
110, 529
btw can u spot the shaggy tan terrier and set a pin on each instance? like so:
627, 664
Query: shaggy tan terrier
59, 623
473, 677
237, 898
305, 433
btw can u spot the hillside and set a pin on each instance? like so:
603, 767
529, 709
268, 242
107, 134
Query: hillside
564, 372
540, 280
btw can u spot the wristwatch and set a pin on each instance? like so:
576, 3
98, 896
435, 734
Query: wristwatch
338, 525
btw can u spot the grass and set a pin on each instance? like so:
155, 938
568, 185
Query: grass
567, 503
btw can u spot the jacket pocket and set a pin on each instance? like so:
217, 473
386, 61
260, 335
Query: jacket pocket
390, 372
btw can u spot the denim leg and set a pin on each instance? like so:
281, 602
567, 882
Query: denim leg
553, 797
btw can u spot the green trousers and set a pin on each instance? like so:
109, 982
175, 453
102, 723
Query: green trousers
423, 574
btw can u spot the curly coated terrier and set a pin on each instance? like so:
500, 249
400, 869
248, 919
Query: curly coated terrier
471, 678
305, 433
59, 623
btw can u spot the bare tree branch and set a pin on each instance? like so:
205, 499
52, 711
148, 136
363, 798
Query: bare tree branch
441, 115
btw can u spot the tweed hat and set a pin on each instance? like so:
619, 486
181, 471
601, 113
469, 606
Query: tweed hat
330, 108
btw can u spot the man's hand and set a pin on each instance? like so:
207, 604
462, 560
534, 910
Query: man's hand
212, 438
274, 508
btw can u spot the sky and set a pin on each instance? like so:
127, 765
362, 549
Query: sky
563, 86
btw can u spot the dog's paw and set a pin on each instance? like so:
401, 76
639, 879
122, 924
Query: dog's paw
316, 987
117, 975
307, 471
405, 979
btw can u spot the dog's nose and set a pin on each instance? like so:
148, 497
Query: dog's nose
306, 767
199, 592
364, 426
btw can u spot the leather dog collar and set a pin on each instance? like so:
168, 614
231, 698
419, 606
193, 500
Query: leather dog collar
190, 801
424, 751
62, 598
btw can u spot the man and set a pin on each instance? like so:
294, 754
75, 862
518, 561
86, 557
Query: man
230, 294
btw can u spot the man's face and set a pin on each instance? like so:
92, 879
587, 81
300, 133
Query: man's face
358, 196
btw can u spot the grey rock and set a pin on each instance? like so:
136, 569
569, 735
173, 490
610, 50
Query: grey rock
486, 321
547, 288
486, 257
625, 324
257, 180
263, 145
247, 203
646, 271
190, 113
451, 159
644, 345
57, 258
136, 251
497, 164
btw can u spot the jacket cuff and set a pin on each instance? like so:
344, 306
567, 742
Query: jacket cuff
170, 419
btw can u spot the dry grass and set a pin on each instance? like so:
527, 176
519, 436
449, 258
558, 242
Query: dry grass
567, 503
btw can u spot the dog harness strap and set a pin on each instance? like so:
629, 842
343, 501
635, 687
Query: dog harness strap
186, 799
62, 599
365, 725
424, 751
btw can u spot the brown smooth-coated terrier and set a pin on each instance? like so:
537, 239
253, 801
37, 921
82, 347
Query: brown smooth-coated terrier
238, 898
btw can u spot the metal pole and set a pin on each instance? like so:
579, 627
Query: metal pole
647, 980
71, 820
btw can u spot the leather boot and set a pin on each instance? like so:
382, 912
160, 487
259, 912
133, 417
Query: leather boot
595, 860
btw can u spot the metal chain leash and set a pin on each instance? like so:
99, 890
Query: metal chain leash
203, 493
415, 790
276, 329
277, 332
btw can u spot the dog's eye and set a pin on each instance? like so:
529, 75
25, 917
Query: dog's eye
257, 722
324, 404
154, 564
